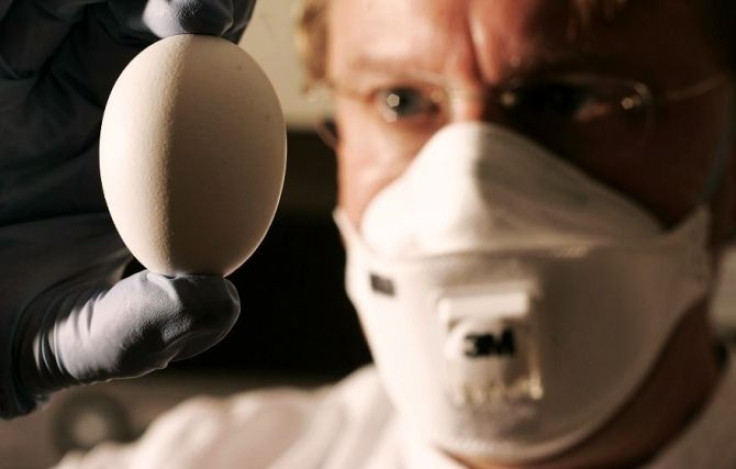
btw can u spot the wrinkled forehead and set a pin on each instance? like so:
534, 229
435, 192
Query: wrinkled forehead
495, 38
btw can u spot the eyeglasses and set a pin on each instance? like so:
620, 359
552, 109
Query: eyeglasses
572, 114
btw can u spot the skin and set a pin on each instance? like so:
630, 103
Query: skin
473, 44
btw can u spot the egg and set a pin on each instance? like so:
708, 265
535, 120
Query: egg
192, 155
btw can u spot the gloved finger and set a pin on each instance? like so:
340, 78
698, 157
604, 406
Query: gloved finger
140, 325
31, 31
163, 18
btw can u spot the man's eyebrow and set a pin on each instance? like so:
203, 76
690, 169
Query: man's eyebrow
366, 63
368, 70
540, 62
540, 58
549, 61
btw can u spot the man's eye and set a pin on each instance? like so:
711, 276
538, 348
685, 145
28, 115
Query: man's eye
556, 101
396, 104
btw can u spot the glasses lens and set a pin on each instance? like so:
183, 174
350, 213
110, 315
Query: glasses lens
577, 118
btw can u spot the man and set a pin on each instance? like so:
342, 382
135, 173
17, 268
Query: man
533, 196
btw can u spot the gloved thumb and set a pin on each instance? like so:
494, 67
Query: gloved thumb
141, 324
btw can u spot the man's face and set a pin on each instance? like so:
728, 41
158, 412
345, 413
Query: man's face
379, 46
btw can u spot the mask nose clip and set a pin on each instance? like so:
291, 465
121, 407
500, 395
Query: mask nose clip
490, 347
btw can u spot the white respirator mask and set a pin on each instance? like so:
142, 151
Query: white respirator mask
512, 303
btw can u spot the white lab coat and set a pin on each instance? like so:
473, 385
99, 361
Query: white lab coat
348, 426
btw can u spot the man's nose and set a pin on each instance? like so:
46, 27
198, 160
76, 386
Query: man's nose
476, 106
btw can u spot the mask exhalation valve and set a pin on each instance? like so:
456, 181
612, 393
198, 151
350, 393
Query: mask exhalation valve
490, 347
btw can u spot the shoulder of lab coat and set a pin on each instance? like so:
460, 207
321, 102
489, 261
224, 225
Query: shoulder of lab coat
277, 428
349, 425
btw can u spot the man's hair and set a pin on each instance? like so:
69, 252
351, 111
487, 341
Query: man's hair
313, 33
311, 39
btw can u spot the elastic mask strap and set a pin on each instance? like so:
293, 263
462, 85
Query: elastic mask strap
718, 169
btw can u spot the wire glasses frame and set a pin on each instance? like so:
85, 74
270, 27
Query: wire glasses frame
570, 114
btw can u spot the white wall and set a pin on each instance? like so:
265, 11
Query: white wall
269, 38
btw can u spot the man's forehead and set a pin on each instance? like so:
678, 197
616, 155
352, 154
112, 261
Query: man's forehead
438, 35
379, 32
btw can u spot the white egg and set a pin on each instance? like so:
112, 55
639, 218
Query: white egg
192, 155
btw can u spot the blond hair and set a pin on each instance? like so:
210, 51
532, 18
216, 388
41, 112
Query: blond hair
312, 37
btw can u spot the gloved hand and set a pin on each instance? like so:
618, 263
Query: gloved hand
64, 317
